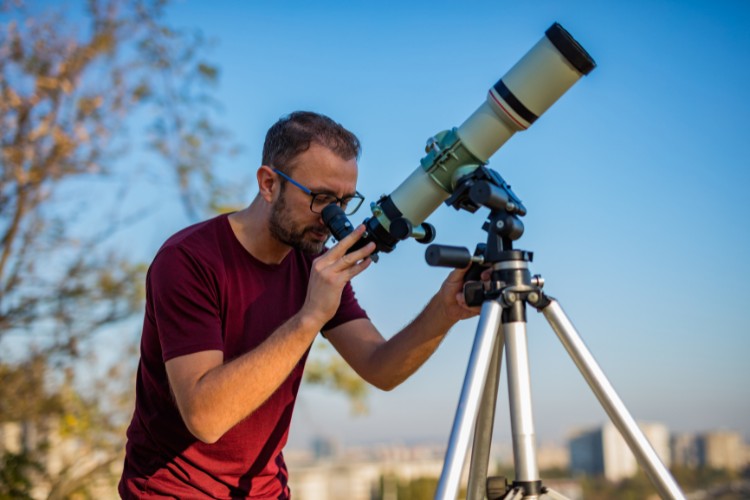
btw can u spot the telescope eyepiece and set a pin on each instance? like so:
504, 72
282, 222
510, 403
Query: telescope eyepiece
337, 221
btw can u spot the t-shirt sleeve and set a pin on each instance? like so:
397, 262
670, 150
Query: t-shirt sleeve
185, 305
349, 310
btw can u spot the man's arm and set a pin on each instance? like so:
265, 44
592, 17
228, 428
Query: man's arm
385, 364
214, 396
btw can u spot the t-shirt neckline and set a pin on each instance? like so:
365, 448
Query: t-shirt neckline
245, 251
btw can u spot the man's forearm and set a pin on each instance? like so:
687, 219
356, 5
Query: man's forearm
386, 364
229, 392
399, 357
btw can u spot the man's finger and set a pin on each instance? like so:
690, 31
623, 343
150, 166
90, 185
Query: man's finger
346, 243
357, 268
461, 299
457, 275
357, 255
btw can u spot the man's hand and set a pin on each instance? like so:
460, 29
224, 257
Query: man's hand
330, 273
451, 296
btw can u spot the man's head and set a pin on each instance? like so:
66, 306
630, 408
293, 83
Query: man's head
294, 134
320, 156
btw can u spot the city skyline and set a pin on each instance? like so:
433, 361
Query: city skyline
594, 454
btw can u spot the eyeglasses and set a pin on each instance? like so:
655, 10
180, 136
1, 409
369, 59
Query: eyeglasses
349, 204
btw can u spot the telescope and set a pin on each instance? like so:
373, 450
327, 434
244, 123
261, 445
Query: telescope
513, 104
454, 171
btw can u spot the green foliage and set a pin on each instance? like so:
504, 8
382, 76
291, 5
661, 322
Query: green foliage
329, 370
16, 470
423, 488
24, 391
555, 473
719, 483
693, 478
639, 486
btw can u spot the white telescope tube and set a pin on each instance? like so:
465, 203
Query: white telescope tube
542, 76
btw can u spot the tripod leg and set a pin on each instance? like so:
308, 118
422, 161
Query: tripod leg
468, 404
480, 450
612, 404
521, 415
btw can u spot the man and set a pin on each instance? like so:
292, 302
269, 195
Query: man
232, 307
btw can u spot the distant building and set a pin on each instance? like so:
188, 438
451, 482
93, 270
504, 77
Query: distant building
715, 449
686, 450
603, 451
552, 456
723, 450
360, 474
324, 447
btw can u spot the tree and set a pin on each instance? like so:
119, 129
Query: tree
70, 89
66, 97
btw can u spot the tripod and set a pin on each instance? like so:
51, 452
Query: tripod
502, 327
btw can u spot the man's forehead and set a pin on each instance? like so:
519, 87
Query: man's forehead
319, 160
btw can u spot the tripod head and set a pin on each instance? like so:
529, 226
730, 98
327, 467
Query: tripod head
486, 188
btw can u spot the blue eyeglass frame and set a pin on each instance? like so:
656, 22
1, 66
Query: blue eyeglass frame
340, 202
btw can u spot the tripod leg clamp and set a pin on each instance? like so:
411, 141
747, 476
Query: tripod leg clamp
539, 300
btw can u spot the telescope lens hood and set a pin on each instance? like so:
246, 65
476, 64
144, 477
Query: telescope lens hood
570, 49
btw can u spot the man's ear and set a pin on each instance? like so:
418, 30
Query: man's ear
268, 183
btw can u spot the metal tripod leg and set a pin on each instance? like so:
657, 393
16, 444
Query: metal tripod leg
612, 404
476, 408
468, 404
480, 450
478, 398
519, 394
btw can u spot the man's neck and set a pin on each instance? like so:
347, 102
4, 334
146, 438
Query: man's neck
250, 226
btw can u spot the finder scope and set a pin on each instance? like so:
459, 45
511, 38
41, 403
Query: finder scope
521, 96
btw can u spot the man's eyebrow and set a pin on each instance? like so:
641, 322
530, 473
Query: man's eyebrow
331, 192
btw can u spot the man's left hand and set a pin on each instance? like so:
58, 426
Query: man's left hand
451, 297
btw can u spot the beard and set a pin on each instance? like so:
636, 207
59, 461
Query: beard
286, 231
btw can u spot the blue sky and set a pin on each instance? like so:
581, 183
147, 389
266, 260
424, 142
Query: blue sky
635, 182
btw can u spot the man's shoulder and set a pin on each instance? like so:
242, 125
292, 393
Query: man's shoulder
201, 241
199, 233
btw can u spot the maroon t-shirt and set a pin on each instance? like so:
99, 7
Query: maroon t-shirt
204, 291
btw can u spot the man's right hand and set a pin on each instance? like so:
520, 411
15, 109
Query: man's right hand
330, 273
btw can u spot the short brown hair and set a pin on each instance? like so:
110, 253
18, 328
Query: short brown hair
292, 135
